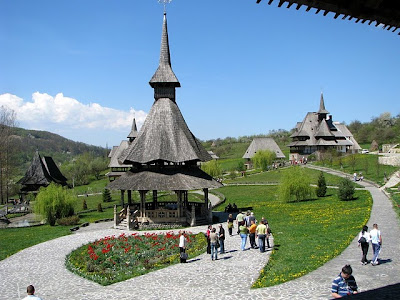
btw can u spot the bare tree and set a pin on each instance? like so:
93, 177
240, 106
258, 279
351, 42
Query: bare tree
7, 123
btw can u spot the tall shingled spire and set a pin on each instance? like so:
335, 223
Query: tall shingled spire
164, 80
322, 109
134, 132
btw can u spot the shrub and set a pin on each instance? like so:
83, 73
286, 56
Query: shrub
212, 168
295, 183
346, 189
84, 204
68, 221
263, 158
107, 195
54, 202
99, 207
321, 188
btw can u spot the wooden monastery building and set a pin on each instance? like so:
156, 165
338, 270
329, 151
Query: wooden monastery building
41, 172
117, 168
164, 157
319, 133
258, 144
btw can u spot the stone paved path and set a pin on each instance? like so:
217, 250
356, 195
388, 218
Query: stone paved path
43, 266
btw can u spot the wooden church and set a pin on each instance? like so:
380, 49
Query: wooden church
164, 157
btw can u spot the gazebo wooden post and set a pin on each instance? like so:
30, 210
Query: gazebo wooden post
179, 202
122, 198
155, 203
142, 203
186, 199
129, 197
206, 197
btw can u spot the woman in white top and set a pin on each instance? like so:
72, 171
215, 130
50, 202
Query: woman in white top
363, 241
182, 247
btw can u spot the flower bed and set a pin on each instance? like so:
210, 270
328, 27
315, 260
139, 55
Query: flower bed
113, 259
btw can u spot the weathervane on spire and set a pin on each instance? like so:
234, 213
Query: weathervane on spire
164, 2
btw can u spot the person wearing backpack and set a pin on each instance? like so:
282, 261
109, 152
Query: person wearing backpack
363, 241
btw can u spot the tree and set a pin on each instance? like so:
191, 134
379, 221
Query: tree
353, 161
98, 165
346, 189
54, 202
321, 187
7, 124
212, 168
240, 166
295, 183
106, 195
263, 158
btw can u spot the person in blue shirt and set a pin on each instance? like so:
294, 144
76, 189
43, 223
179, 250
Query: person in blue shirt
345, 284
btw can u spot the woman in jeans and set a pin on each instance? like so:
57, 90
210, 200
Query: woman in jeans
243, 234
213, 242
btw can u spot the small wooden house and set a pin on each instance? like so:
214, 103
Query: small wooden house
41, 173
258, 144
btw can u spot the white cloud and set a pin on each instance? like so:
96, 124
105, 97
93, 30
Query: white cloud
45, 111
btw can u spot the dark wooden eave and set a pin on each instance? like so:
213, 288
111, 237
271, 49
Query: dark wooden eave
383, 12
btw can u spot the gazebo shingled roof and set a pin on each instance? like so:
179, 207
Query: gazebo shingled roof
167, 178
382, 12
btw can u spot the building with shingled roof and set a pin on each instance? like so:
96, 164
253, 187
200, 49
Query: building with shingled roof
41, 172
117, 168
319, 133
258, 144
164, 157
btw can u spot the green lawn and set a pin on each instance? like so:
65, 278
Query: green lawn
230, 164
365, 163
13, 240
307, 234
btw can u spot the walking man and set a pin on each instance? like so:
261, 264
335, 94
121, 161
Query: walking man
376, 240
239, 221
261, 231
252, 234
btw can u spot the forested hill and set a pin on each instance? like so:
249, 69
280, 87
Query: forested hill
26, 142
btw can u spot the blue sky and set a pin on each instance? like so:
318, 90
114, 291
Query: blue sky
81, 68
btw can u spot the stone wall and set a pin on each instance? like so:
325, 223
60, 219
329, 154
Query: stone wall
390, 159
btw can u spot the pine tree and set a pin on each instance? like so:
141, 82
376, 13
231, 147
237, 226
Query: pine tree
84, 204
321, 189
106, 195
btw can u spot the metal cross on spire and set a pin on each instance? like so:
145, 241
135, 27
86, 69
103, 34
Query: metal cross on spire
164, 2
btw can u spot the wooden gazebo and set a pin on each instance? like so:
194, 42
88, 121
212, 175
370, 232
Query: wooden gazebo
164, 157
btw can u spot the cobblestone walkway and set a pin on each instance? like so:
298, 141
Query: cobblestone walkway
230, 277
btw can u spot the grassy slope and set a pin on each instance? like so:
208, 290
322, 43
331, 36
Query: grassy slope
365, 163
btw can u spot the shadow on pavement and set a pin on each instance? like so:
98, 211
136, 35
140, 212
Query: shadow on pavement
386, 292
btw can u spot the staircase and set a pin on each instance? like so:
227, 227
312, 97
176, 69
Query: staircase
123, 225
